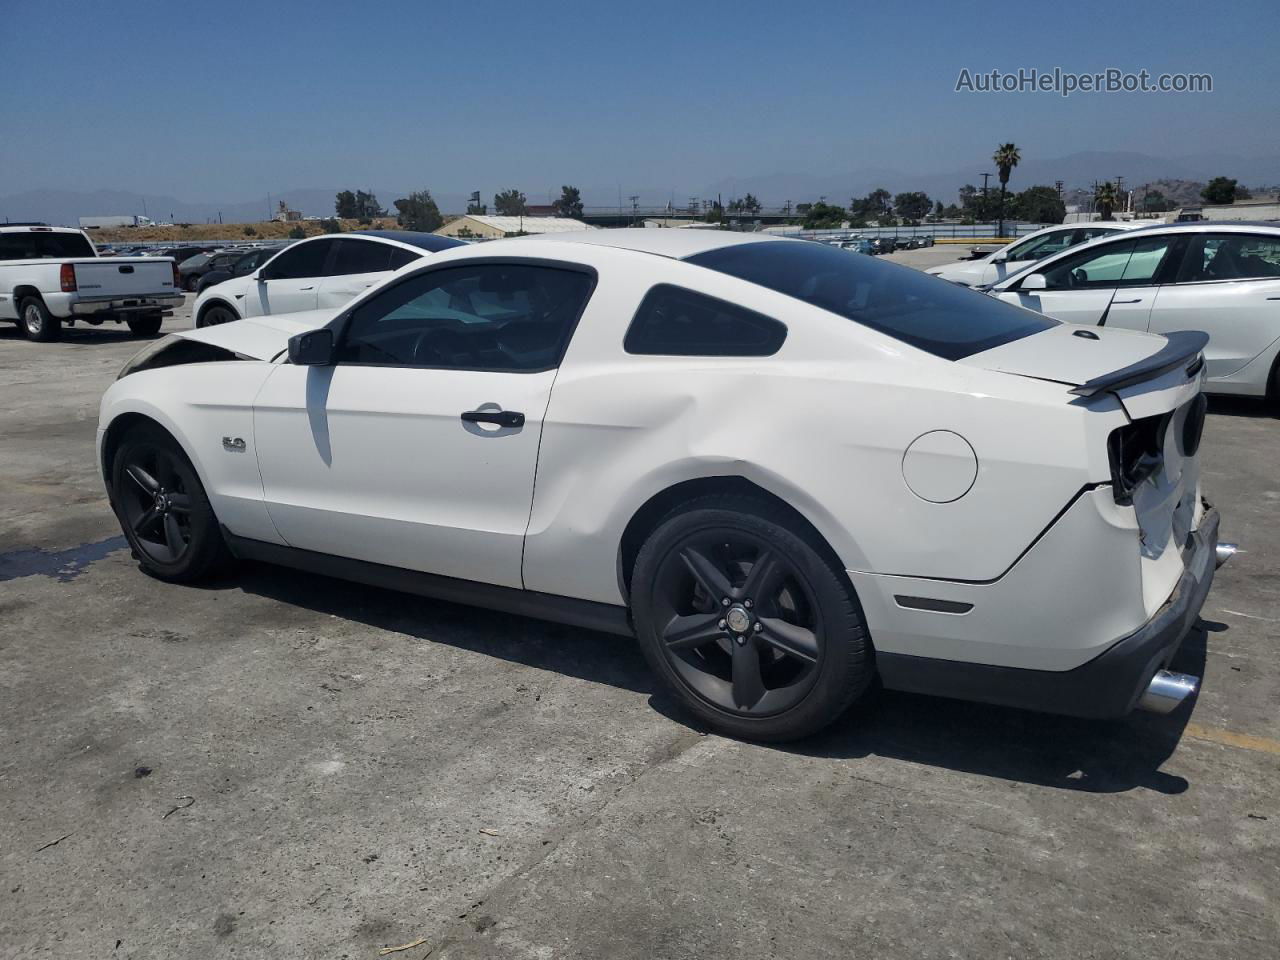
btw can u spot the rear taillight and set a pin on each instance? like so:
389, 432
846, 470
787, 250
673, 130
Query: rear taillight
177, 279
1136, 452
67, 277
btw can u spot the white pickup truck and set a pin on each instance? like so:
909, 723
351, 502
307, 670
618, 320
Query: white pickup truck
50, 276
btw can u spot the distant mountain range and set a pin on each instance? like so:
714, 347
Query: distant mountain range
1076, 170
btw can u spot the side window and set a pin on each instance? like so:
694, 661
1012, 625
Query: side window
360, 256
401, 257
1042, 247
1100, 267
1230, 256
672, 321
1091, 233
300, 260
1144, 263
489, 316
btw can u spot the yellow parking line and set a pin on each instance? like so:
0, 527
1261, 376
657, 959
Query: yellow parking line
1230, 738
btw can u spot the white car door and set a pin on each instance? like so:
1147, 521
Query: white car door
357, 266
417, 447
288, 282
1097, 284
1228, 285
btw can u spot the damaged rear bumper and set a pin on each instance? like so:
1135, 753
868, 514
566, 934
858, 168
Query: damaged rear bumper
1109, 685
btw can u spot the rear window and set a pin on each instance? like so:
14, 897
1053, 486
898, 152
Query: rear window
945, 319
30, 245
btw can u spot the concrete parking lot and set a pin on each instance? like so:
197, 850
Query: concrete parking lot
281, 765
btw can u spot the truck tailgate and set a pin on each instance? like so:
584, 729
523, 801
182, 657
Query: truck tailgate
124, 276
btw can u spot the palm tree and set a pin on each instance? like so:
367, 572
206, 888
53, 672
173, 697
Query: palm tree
1005, 158
1104, 198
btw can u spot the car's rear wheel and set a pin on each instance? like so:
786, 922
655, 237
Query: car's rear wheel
36, 322
750, 619
146, 325
163, 508
217, 314
193, 282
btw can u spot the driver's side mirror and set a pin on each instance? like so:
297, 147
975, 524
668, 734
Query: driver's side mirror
1034, 282
312, 349
999, 257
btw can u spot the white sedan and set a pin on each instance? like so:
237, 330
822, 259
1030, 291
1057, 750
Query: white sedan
1221, 278
319, 273
786, 470
1013, 258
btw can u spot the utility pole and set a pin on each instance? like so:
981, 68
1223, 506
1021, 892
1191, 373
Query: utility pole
1120, 194
986, 210
1059, 185
635, 203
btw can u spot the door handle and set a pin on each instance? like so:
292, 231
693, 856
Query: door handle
1138, 300
503, 418
312, 287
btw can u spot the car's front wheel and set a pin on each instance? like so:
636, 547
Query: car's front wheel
163, 508
217, 314
747, 616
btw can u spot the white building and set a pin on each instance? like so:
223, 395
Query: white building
487, 227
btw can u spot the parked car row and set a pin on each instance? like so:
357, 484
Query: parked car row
1219, 278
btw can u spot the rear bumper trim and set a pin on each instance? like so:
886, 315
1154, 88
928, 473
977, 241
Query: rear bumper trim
1109, 685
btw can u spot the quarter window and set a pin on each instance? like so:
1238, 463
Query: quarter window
499, 317
402, 258
672, 321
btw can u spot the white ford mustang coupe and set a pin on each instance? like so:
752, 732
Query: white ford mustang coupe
787, 471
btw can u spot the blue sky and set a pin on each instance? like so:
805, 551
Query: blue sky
232, 100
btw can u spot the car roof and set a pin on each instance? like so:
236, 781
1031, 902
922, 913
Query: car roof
412, 238
677, 243
1217, 226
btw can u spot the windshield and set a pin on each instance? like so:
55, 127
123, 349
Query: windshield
33, 245
945, 319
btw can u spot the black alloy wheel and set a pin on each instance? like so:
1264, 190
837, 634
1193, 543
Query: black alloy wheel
750, 619
163, 508
155, 504
739, 626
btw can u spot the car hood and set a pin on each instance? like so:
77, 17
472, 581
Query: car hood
963, 271
260, 338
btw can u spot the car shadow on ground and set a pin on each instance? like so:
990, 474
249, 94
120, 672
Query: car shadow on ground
1252, 407
989, 741
106, 333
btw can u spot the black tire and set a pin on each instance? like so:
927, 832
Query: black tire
36, 323
146, 324
192, 284
216, 313
803, 628
163, 508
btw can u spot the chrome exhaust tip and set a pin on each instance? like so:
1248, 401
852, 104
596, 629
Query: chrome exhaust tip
1167, 690
1225, 551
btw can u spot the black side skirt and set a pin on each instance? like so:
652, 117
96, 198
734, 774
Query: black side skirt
605, 617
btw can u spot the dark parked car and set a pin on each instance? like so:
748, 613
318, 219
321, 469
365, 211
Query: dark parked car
193, 268
182, 253
884, 244
243, 264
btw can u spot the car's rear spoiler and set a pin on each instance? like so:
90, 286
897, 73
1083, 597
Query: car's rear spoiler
1183, 347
